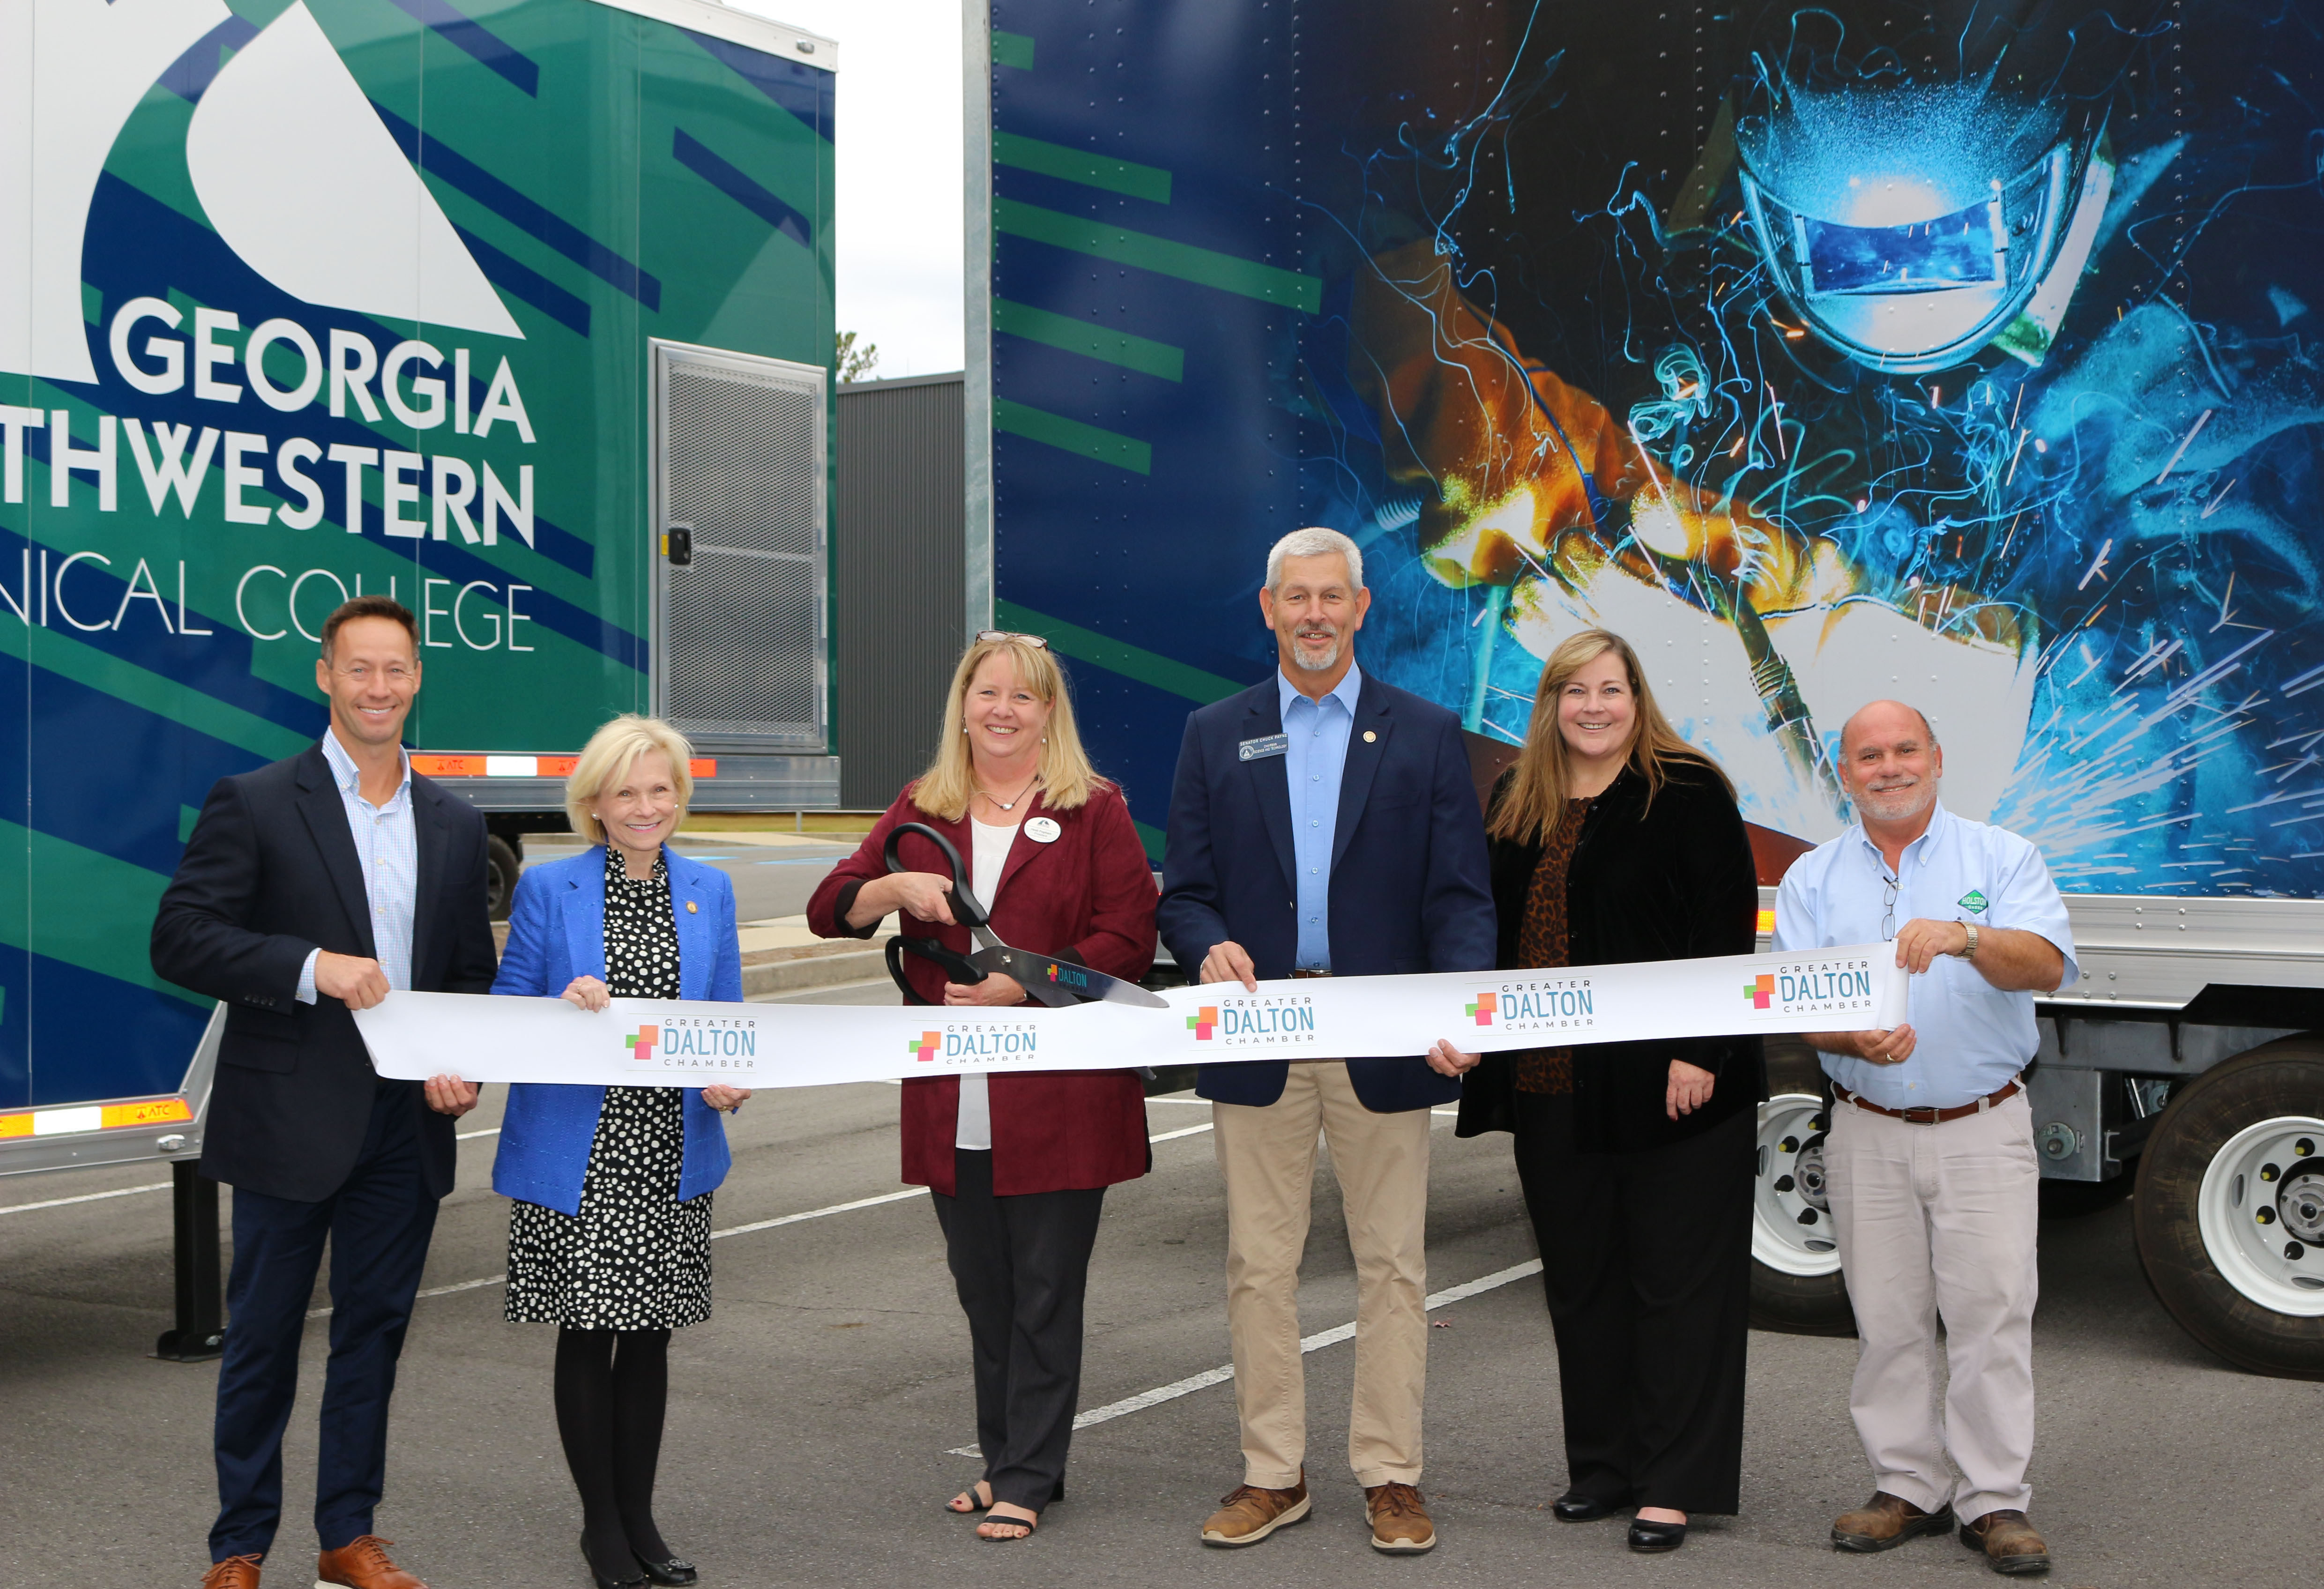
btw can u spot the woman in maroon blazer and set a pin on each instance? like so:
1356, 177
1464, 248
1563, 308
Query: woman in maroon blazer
1019, 1163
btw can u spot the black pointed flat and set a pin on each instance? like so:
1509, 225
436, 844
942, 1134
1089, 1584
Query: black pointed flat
1651, 1538
1574, 1507
675, 1570
600, 1579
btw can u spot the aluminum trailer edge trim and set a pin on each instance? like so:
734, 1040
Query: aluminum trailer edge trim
160, 1130
976, 329
738, 27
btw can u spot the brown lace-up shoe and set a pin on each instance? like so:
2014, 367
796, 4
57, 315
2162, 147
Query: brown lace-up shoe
1887, 1521
236, 1572
1399, 1519
363, 1564
1249, 1515
2009, 1542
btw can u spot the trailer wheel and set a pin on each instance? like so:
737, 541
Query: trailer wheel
501, 869
1795, 1280
2230, 1210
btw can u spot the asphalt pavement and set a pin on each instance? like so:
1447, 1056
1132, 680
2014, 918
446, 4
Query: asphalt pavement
814, 1418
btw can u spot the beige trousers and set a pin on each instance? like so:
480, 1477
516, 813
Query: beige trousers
1267, 1156
1939, 1221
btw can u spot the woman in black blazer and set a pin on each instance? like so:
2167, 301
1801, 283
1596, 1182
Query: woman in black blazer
1611, 841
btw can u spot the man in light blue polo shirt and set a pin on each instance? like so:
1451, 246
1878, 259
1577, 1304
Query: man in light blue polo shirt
1930, 1160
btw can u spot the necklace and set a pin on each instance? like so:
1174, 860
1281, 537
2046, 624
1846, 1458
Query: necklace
1010, 805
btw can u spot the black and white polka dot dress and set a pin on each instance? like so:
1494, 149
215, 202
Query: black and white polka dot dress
634, 1257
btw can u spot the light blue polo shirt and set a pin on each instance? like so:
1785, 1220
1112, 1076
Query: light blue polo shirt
1972, 1037
1315, 753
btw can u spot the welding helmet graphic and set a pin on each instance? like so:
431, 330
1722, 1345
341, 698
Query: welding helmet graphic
1911, 190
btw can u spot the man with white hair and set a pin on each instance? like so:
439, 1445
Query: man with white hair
1930, 1161
1324, 824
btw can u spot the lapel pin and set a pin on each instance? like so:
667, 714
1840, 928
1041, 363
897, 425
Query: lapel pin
1369, 736
691, 908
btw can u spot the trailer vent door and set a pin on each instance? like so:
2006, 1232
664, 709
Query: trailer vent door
738, 504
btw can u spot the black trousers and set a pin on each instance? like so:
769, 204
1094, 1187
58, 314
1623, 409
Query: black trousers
1646, 1261
1021, 1267
377, 1225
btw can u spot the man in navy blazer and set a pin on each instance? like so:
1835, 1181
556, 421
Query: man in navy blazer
308, 890
1325, 824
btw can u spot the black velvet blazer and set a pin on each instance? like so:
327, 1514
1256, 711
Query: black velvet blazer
1673, 879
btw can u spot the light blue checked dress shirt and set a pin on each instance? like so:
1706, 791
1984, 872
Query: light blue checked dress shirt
1316, 755
388, 846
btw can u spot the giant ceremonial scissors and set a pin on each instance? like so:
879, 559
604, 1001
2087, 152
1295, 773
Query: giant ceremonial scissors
1050, 979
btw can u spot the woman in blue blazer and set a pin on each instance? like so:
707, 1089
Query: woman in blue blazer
610, 1236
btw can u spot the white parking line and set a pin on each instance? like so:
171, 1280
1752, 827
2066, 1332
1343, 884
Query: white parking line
1321, 1338
895, 1197
127, 1191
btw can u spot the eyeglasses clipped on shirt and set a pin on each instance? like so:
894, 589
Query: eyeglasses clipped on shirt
1888, 921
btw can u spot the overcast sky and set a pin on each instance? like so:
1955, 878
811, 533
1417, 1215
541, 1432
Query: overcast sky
899, 132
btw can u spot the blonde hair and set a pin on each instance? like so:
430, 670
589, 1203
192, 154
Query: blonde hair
1536, 800
608, 756
1065, 777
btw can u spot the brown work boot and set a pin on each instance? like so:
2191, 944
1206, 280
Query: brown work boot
1887, 1521
1249, 1515
236, 1572
363, 1564
2009, 1542
1399, 1519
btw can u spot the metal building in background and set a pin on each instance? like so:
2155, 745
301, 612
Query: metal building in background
898, 546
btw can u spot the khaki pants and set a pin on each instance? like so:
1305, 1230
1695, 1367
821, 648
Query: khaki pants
1267, 1156
1939, 1221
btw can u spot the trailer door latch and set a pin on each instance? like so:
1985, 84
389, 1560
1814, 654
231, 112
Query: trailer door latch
677, 545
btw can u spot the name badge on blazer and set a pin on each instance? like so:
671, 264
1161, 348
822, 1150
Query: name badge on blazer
1042, 829
1261, 749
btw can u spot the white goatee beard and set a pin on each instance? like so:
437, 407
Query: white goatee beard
1324, 663
1896, 806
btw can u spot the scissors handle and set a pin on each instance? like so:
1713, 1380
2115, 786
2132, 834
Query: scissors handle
956, 967
965, 908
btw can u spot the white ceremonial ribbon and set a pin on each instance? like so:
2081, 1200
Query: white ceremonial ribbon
682, 1042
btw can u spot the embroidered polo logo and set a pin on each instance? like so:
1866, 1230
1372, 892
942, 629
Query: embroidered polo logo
1972, 901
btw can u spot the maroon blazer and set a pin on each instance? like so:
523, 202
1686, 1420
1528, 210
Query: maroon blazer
1088, 893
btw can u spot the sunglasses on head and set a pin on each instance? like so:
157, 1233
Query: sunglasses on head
1037, 641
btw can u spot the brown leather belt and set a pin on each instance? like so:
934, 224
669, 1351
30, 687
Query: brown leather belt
1932, 1117
1301, 976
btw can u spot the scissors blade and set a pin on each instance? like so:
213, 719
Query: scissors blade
1045, 979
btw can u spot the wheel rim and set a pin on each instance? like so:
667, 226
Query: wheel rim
2260, 1211
1790, 1212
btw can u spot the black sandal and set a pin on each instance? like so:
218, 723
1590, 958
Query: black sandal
968, 1494
1029, 1524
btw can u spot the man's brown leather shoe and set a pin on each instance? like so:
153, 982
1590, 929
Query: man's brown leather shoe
363, 1564
236, 1572
2009, 1542
1887, 1521
1249, 1515
1399, 1519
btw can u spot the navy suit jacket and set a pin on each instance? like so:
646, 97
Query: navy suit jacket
1410, 890
557, 932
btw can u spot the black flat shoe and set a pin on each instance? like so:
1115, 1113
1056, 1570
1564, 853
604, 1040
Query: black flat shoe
1574, 1507
675, 1570
600, 1579
1653, 1539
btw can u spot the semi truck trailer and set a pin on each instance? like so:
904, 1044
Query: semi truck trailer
519, 313
1960, 353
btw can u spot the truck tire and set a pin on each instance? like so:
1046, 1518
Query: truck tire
1795, 1281
2229, 1214
501, 869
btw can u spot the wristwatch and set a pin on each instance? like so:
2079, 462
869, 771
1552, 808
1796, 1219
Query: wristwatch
1968, 950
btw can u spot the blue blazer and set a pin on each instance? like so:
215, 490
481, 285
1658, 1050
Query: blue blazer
1411, 890
557, 932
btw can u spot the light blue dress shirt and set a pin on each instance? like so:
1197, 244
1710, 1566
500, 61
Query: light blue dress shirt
1971, 1037
388, 846
1317, 753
